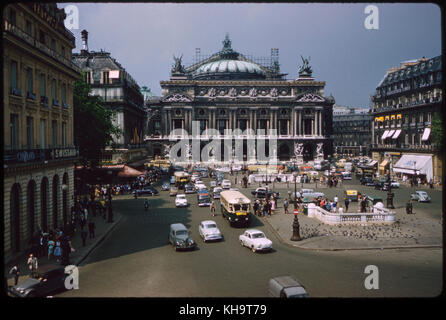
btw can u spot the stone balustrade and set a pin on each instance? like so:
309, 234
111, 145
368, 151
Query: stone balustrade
379, 214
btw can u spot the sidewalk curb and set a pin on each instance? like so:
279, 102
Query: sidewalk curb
96, 244
347, 249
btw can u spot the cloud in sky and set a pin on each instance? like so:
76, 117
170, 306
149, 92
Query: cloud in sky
352, 60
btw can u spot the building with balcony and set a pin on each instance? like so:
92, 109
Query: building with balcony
405, 102
109, 80
39, 154
227, 91
351, 131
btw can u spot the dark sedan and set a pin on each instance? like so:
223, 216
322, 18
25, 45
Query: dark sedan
49, 279
146, 190
380, 185
262, 193
367, 181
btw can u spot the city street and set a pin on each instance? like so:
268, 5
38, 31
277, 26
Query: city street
135, 260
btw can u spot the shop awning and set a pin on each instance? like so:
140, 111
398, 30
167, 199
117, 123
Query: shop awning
397, 133
384, 134
391, 132
426, 133
371, 163
415, 164
382, 165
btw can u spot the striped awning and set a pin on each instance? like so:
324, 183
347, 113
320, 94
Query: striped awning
426, 133
385, 134
396, 134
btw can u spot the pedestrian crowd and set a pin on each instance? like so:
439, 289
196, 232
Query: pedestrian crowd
265, 207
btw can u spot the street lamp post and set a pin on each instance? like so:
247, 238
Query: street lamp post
389, 192
296, 226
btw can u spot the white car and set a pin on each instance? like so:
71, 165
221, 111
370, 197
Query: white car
209, 231
194, 177
420, 196
199, 186
255, 240
226, 184
213, 183
181, 200
394, 184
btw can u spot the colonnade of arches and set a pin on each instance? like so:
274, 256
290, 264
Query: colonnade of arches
34, 208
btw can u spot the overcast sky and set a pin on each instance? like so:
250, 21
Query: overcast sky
352, 60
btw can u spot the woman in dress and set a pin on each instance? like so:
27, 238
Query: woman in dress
57, 251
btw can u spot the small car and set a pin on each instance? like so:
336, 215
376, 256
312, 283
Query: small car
195, 177
50, 278
225, 184
368, 181
172, 180
173, 191
394, 184
204, 200
181, 200
216, 192
352, 195
146, 190
262, 192
420, 196
213, 183
379, 185
199, 186
255, 240
189, 189
180, 238
209, 231
286, 287
165, 186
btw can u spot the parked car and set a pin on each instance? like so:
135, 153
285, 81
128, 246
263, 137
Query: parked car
213, 183
420, 196
195, 177
173, 191
199, 186
226, 184
50, 278
209, 231
165, 186
172, 180
255, 240
309, 193
286, 287
180, 238
181, 200
149, 190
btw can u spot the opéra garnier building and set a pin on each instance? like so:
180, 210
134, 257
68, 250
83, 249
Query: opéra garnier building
226, 91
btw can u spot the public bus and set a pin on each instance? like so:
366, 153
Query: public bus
235, 207
181, 179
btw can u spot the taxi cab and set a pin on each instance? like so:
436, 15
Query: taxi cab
352, 195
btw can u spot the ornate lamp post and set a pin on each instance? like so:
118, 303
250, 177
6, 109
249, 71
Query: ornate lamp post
109, 193
296, 226
389, 192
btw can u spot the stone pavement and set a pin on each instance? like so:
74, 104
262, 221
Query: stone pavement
103, 228
409, 231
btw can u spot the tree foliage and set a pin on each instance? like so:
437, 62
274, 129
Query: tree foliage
93, 124
437, 130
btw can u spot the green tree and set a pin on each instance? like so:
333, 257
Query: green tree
437, 129
93, 124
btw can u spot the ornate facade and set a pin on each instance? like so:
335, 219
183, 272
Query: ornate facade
39, 154
228, 91
406, 101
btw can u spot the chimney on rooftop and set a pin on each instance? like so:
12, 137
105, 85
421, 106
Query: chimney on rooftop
84, 34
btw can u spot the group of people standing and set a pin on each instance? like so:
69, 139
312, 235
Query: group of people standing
265, 207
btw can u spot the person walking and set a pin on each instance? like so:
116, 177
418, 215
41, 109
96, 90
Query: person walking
84, 235
51, 245
335, 201
66, 250
285, 206
15, 271
57, 250
273, 206
33, 264
256, 207
212, 207
91, 228
346, 202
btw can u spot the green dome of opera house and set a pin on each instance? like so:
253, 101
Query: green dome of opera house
229, 65
229, 69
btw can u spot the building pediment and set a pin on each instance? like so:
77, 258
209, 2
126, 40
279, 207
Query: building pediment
176, 97
310, 97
